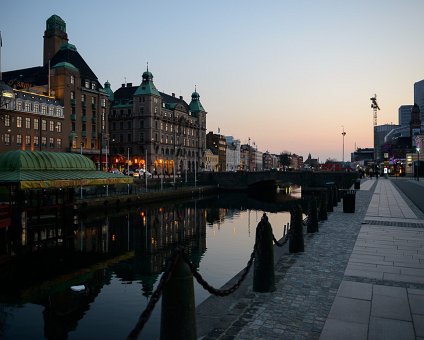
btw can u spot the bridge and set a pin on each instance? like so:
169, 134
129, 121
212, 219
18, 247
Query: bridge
245, 180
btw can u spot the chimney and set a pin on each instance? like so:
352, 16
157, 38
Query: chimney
123, 85
181, 97
129, 84
173, 94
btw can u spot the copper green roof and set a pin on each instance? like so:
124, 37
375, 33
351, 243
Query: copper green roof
55, 22
66, 65
195, 105
147, 86
42, 169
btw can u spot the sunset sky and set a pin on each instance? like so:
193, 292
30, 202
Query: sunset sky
288, 74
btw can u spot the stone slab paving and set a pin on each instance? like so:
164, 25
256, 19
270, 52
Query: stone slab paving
306, 286
360, 277
385, 271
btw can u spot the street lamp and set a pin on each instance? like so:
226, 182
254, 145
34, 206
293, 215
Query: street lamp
343, 134
418, 164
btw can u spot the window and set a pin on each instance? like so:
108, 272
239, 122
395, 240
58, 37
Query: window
35, 123
72, 79
87, 84
51, 142
36, 108
129, 137
83, 98
27, 107
19, 139
43, 125
51, 111
93, 85
72, 95
28, 123
28, 140
103, 102
93, 101
7, 139
6, 120
142, 110
18, 122
18, 106
142, 137
35, 140
141, 124
59, 112
43, 141
59, 143
43, 109
59, 127
129, 125
51, 125
156, 109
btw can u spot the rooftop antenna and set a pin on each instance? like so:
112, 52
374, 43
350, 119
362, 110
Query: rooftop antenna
374, 107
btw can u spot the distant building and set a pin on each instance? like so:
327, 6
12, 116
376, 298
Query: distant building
217, 144
362, 155
419, 97
380, 132
404, 114
211, 161
232, 153
270, 161
296, 162
311, 163
164, 128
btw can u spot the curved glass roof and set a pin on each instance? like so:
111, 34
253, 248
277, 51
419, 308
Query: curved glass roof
42, 160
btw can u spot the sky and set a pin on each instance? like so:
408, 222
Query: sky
288, 75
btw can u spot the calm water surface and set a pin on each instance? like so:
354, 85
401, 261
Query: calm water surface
119, 257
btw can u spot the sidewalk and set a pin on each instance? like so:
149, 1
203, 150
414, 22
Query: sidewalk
360, 277
382, 292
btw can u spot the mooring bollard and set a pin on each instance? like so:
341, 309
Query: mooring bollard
263, 269
296, 243
323, 206
335, 199
178, 320
312, 222
330, 200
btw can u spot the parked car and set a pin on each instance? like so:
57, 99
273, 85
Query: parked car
141, 173
115, 171
130, 173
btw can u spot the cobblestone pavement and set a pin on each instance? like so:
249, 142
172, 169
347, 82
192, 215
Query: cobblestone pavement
306, 283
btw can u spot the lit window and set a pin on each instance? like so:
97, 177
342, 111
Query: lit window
6, 139
28, 123
72, 95
58, 142
51, 111
43, 124
35, 140
87, 84
18, 106
19, 139
43, 141
27, 140
72, 79
18, 122
83, 97
51, 125
51, 142
36, 124
43, 109
27, 107
6, 120
93, 85
36, 108
59, 127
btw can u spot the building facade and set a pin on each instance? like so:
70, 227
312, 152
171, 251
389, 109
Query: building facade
66, 78
32, 121
233, 153
404, 114
154, 130
218, 145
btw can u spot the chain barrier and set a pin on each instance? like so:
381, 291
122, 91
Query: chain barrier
145, 315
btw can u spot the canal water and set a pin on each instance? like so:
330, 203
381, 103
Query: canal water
119, 256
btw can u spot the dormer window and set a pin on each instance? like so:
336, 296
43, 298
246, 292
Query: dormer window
87, 84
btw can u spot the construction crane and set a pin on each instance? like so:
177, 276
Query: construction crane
374, 107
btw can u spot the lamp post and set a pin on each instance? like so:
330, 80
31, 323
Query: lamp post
418, 164
343, 134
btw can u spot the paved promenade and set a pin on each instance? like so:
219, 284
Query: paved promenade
360, 277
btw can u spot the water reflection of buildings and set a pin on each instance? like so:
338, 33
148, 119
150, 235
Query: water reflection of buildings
45, 255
